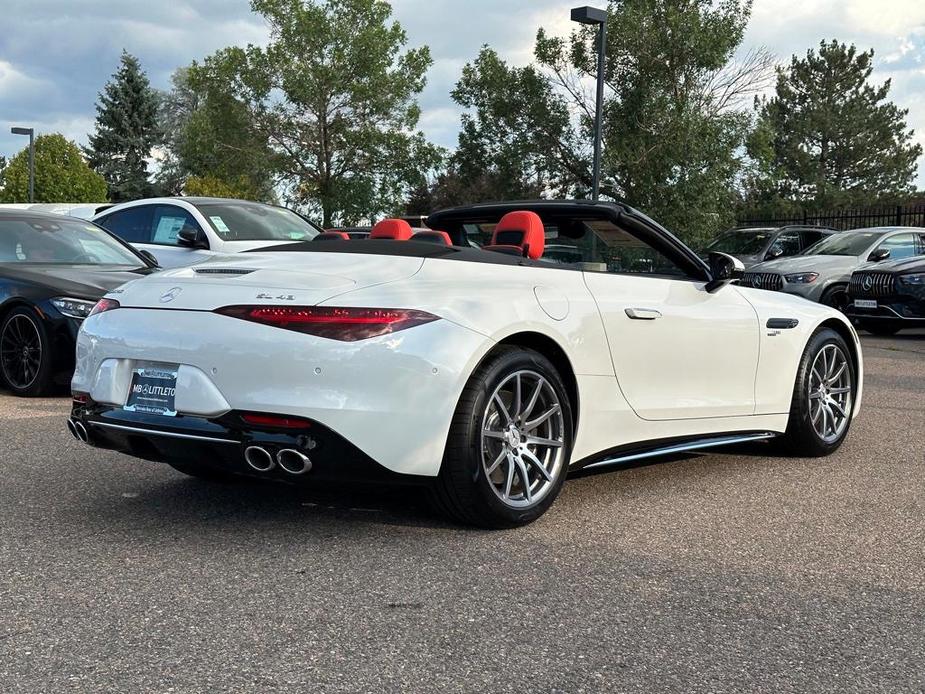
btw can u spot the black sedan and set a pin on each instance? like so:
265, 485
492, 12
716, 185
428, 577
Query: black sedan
53, 270
889, 296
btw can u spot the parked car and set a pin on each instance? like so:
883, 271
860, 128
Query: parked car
184, 231
53, 270
71, 209
482, 374
753, 245
822, 272
888, 296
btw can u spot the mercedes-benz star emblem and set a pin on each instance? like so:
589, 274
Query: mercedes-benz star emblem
170, 295
867, 283
757, 281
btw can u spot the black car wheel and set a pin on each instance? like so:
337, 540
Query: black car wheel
823, 396
509, 445
836, 297
25, 361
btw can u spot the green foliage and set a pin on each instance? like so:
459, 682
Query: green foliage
828, 138
210, 142
61, 174
516, 140
126, 131
333, 97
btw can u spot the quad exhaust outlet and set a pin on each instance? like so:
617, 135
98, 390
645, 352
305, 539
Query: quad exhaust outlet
293, 462
78, 430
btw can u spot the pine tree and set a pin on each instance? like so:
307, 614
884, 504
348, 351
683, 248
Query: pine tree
126, 131
828, 137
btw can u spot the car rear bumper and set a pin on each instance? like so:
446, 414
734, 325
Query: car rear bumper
220, 443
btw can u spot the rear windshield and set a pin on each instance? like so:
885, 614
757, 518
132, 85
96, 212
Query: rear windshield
60, 242
846, 243
741, 242
242, 221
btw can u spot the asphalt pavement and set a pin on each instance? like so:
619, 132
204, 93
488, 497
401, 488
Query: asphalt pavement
736, 571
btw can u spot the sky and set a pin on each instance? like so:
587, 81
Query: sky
56, 55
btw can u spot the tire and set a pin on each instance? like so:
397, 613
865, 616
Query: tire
810, 409
836, 297
880, 328
206, 473
479, 483
26, 373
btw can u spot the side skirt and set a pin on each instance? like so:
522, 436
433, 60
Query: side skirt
667, 448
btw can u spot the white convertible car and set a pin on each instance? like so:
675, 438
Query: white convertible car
484, 374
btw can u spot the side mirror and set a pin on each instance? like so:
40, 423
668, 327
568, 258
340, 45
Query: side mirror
188, 237
149, 256
724, 268
879, 254
774, 251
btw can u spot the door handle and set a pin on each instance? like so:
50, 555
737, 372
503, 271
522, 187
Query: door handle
643, 313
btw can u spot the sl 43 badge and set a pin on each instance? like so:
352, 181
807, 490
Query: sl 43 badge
281, 297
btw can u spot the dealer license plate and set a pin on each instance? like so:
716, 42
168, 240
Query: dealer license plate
153, 391
865, 303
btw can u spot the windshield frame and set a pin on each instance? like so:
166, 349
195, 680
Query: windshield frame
32, 217
208, 210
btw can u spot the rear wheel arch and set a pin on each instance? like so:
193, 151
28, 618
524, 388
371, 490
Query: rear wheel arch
550, 349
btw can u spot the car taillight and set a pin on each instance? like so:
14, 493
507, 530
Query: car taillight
102, 306
336, 323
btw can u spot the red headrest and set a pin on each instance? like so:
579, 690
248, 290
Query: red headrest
397, 229
332, 235
433, 236
522, 229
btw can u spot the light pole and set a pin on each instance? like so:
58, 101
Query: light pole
31, 133
592, 15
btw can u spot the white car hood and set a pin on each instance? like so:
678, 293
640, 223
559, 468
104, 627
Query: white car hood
284, 278
242, 246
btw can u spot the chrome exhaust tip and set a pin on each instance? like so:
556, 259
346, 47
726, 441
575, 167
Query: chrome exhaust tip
71, 428
259, 458
293, 462
80, 431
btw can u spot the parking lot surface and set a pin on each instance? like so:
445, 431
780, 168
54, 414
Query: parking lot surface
737, 571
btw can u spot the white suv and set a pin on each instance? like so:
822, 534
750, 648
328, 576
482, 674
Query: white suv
184, 231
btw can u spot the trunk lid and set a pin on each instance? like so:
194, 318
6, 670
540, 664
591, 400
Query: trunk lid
297, 279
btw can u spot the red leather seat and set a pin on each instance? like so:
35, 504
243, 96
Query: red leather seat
331, 235
397, 229
433, 236
519, 233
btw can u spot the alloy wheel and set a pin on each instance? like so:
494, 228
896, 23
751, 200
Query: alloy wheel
20, 352
830, 393
523, 439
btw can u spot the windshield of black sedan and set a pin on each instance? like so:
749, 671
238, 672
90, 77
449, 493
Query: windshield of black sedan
845, 243
746, 242
238, 221
60, 242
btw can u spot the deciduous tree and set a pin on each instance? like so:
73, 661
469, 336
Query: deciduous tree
61, 174
334, 96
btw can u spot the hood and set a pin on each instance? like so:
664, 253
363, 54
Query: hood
916, 264
292, 278
77, 281
823, 264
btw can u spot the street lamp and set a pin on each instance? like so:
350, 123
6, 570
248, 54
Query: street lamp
592, 15
31, 133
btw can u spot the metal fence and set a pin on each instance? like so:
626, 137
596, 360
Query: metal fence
882, 216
